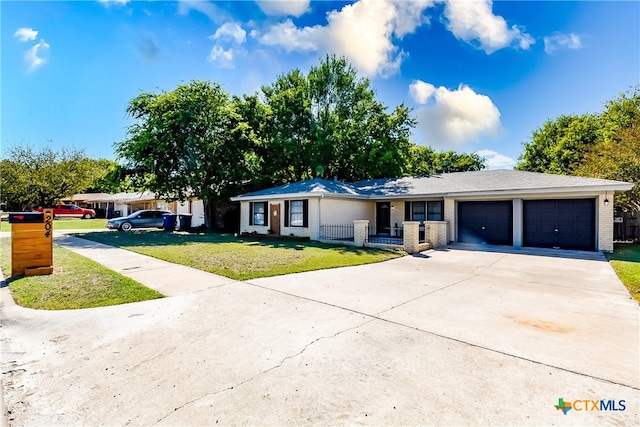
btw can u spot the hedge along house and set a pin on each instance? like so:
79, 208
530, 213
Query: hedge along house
496, 207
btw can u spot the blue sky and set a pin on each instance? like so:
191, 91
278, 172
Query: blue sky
479, 75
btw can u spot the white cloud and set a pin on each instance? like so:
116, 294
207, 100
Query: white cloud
454, 117
475, 23
26, 34
284, 8
495, 160
364, 32
421, 91
410, 15
32, 58
562, 41
227, 35
292, 38
213, 12
119, 2
230, 31
223, 57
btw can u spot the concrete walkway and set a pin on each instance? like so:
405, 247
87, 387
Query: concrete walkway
165, 277
457, 336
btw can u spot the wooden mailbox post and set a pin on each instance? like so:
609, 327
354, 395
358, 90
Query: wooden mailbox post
31, 243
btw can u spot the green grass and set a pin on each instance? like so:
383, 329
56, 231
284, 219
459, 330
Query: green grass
68, 224
76, 282
240, 258
625, 260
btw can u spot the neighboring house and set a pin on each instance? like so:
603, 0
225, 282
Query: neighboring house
122, 204
499, 207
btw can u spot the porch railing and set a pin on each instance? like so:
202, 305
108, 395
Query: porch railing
384, 235
343, 232
422, 233
393, 235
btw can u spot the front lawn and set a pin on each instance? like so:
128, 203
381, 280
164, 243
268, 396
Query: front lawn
68, 224
240, 258
625, 260
76, 282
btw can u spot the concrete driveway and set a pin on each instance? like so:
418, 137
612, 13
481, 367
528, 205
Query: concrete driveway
457, 336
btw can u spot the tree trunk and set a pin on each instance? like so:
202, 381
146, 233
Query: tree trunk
222, 215
208, 208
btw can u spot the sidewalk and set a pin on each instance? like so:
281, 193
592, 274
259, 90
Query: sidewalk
165, 277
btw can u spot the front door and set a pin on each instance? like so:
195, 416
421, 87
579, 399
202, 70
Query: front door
383, 218
274, 211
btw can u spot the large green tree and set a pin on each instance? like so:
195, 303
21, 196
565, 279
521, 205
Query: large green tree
329, 123
188, 143
426, 161
32, 177
603, 145
560, 145
617, 158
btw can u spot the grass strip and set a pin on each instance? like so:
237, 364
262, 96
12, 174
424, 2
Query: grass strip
625, 260
76, 282
240, 258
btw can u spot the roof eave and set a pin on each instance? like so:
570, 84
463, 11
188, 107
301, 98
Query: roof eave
523, 191
242, 198
614, 187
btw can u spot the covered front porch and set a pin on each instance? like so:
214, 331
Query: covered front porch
411, 236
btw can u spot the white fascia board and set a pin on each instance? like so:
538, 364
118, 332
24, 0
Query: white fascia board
550, 191
410, 196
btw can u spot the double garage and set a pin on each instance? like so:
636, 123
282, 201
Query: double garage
545, 223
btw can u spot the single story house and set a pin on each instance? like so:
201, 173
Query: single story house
498, 207
122, 204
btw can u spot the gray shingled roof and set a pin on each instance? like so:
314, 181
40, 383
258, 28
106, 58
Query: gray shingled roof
491, 181
479, 181
314, 186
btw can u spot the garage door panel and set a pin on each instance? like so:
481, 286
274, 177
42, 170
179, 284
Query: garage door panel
559, 223
485, 222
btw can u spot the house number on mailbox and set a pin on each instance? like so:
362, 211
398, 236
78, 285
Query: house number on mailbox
47, 224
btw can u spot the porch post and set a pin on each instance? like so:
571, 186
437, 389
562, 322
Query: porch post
360, 231
411, 236
437, 233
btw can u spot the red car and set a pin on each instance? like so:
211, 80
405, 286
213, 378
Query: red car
71, 211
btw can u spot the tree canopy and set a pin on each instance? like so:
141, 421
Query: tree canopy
187, 143
197, 142
42, 177
329, 123
603, 145
427, 161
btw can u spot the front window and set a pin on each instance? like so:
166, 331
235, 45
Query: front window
418, 211
435, 211
296, 214
258, 214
